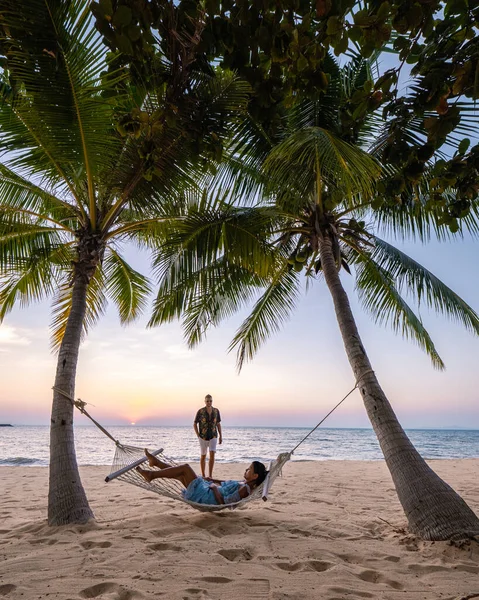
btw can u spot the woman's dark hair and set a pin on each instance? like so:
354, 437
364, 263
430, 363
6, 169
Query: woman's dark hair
260, 470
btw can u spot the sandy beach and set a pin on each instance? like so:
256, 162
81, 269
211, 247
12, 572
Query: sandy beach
330, 530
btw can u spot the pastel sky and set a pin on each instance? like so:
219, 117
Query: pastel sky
148, 376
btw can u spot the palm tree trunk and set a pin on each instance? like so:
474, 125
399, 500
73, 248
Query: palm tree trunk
67, 501
433, 509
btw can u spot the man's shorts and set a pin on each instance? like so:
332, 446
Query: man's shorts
208, 444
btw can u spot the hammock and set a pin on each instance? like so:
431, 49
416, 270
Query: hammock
127, 458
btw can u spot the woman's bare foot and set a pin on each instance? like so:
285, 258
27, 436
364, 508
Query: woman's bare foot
152, 460
147, 475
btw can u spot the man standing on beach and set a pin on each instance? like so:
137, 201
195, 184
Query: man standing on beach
207, 427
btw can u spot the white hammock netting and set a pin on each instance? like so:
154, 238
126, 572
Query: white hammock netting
127, 458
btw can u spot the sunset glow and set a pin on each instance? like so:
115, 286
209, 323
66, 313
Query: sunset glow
142, 376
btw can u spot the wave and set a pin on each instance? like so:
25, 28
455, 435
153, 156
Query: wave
242, 445
19, 461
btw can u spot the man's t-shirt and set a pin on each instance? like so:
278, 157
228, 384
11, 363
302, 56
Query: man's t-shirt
207, 423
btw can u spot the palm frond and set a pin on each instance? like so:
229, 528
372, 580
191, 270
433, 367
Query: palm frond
95, 307
424, 286
20, 194
240, 171
210, 259
32, 152
269, 314
23, 239
33, 272
314, 154
225, 290
177, 152
212, 228
56, 124
204, 298
355, 73
128, 288
380, 297
420, 217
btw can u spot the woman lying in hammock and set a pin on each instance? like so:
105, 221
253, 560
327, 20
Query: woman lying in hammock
203, 489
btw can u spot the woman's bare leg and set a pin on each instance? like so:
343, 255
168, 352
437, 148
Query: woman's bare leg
183, 473
153, 461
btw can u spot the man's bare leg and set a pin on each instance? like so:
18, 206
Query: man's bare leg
203, 464
183, 473
211, 463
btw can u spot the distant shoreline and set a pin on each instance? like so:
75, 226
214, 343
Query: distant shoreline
227, 464
307, 427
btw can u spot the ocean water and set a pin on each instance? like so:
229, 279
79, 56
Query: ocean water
29, 446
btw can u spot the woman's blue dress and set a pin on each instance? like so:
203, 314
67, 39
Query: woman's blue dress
199, 491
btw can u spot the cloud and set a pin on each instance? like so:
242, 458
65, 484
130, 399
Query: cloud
180, 351
12, 336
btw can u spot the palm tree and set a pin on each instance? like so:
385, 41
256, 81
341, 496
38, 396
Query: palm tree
316, 220
90, 162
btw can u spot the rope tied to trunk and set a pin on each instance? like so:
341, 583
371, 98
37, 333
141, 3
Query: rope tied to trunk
80, 404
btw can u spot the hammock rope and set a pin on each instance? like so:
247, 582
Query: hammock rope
331, 411
80, 404
127, 458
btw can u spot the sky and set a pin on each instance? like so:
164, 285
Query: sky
149, 376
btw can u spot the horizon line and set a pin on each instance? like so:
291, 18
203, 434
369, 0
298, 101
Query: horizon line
131, 426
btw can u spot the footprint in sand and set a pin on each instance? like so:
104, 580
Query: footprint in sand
195, 594
6, 588
290, 567
311, 565
345, 592
159, 533
376, 577
90, 545
222, 530
300, 532
319, 565
161, 547
110, 591
48, 541
322, 501
467, 569
216, 579
236, 554
392, 558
